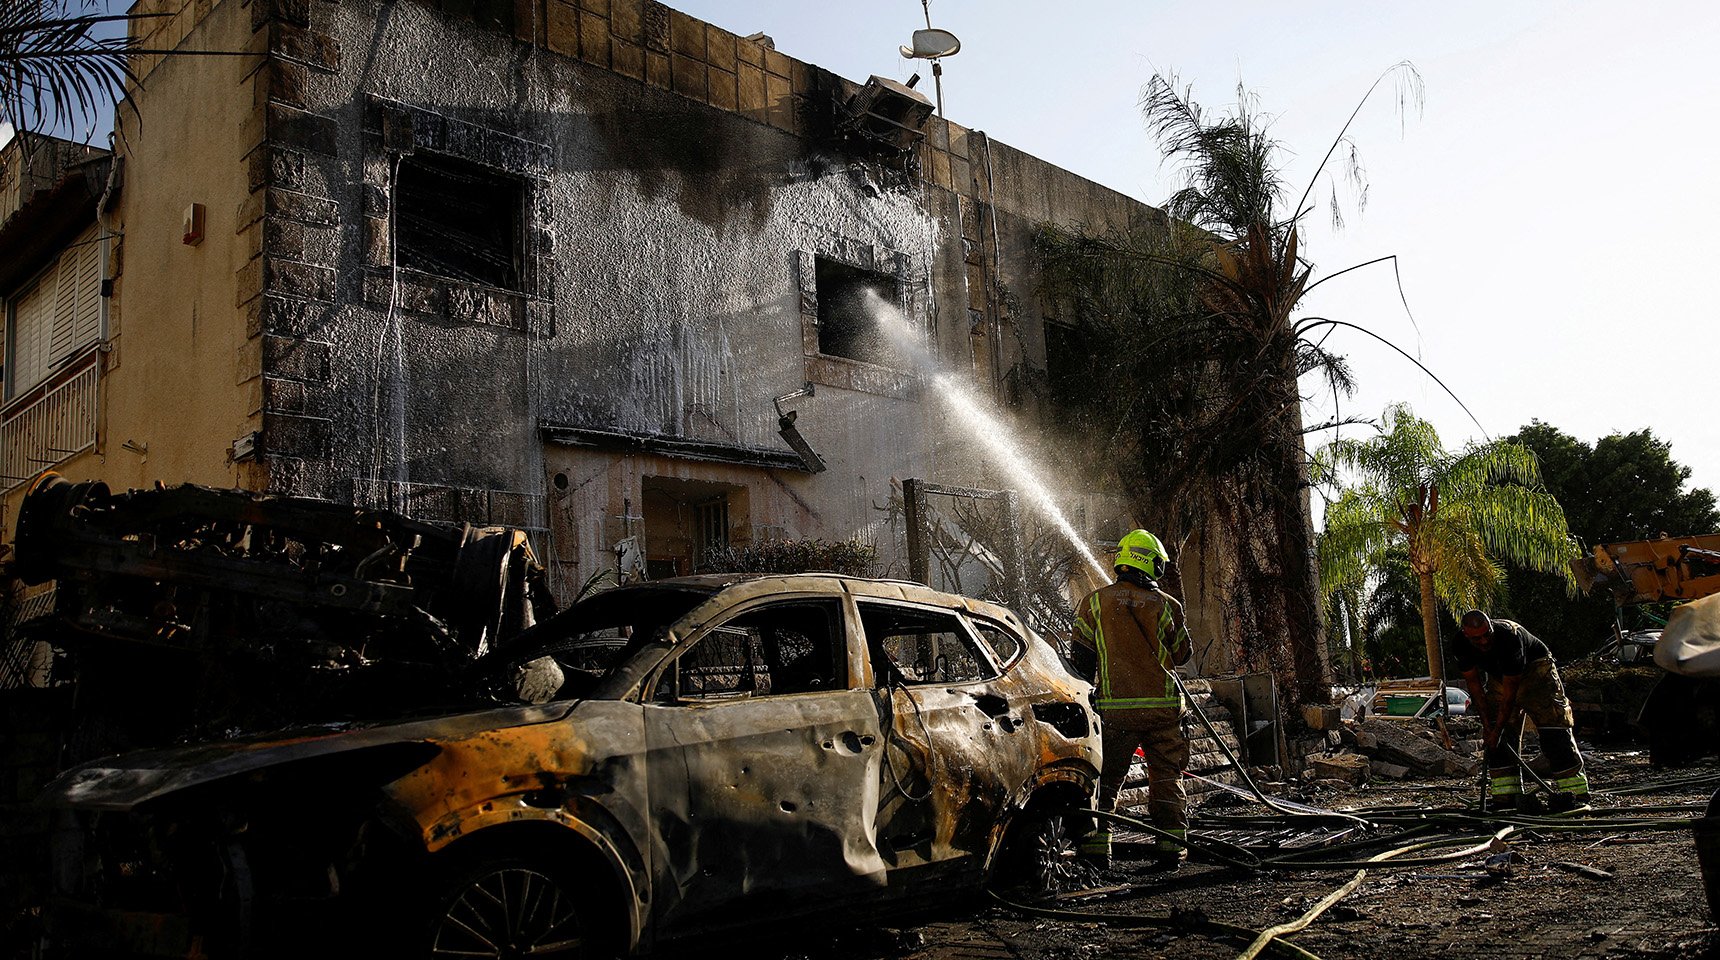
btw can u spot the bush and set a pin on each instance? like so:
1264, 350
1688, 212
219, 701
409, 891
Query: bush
849, 557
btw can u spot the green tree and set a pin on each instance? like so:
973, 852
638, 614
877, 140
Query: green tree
1625, 486
66, 62
1181, 344
1457, 515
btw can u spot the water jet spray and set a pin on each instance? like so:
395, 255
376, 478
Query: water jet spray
961, 400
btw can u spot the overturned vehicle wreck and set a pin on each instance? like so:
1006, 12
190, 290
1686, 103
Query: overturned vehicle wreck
661, 759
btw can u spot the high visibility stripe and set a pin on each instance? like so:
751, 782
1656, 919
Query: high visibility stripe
1574, 784
1502, 786
1164, 651
1129, 703
1099, 644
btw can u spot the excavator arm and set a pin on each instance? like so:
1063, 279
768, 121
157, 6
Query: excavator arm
1652, 571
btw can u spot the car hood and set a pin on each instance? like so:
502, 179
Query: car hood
124, 781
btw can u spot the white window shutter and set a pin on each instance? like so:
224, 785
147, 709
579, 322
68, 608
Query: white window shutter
32, 331
65, 306
78, 303
87, 318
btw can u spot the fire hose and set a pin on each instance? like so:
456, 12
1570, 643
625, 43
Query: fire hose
1413, 847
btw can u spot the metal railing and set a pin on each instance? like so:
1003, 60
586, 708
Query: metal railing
25, 662
59, 425
448, 504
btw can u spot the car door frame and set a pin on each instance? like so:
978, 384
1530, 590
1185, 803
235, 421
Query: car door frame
721, 837
958, 728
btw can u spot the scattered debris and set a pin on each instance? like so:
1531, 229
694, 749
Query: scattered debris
1499, 865
1405, 744
1593, 873
1390, 771
1346, 767
1615, 840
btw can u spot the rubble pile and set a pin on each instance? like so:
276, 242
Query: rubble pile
1381, 748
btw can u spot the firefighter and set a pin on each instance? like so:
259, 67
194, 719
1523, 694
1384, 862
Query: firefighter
1128, 636
1510, 675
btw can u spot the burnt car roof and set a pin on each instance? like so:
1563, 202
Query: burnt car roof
859, 586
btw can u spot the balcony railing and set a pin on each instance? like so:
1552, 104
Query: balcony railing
58, 426
447, 504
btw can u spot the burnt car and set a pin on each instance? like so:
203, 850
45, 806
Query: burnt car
662, 759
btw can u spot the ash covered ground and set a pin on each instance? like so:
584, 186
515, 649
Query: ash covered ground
1651, 905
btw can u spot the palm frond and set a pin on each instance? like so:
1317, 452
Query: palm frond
56, 67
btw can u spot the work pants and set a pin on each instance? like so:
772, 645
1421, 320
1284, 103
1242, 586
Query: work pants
1540, 698
1158, 733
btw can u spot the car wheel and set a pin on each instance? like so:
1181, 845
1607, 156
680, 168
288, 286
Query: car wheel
1041, 855
512, 908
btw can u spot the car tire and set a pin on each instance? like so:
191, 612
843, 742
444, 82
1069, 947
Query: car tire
507, 905
1039, 856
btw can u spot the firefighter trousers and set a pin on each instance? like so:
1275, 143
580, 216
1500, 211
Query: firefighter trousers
1158, 733
1540, 699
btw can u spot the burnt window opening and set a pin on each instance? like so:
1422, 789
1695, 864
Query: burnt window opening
918, 646
852, 304
1068, 364
459, 220
777, 649
711, 520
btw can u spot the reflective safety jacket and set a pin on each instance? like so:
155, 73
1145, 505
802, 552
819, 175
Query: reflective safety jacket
1137, 634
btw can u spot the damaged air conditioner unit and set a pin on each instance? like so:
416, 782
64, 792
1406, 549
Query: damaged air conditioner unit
887, 113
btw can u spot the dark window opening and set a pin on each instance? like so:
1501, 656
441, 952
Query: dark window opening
1067, 363
920, 646
852, 305
458, 220
780, 649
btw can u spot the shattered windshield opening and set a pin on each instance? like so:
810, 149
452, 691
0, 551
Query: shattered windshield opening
568, 654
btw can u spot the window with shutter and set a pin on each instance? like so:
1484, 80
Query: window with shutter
32, 327
57, 318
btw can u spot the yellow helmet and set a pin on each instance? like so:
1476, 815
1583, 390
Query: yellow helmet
1142, 551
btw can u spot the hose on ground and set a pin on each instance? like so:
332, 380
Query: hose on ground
1200, 924
1221, 851
1236, 764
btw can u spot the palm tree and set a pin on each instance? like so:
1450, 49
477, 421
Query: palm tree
1189, 350
58, 63
1458, 515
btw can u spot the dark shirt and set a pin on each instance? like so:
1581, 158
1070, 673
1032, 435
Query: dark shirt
1511, 652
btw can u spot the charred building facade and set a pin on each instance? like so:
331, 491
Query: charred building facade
548, 265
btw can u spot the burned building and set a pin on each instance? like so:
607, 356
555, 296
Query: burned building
604, 272
598, 271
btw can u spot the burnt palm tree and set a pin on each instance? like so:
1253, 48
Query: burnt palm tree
1190, 348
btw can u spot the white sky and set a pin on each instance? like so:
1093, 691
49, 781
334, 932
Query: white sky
1554, 206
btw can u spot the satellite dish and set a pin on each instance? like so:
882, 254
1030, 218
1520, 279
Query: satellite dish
931, 44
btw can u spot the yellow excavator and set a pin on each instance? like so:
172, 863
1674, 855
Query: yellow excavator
1653, 571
